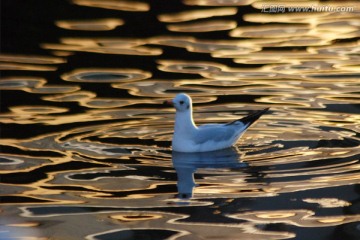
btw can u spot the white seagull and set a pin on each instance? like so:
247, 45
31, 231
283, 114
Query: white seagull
208, 137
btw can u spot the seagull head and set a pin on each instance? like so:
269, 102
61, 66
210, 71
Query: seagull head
182, 102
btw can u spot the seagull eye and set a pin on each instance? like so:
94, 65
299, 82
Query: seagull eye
181, 102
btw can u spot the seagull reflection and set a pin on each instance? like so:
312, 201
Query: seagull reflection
186, 165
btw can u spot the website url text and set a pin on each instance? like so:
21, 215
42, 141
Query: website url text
292, 9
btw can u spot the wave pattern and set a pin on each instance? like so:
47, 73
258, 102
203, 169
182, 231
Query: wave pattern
86, 142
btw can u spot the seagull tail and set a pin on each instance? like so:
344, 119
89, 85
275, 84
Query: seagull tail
251, 118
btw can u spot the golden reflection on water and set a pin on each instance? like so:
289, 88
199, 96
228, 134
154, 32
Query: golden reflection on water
105, 46
328, 202
91, 25
24, 67
35, 85
218, 2
303, 218
203, 26
121, 5
29, 63
127, 217
103, 157
30, 59
197, 14
105, 75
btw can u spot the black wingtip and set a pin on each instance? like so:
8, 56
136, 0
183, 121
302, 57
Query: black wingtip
251, 118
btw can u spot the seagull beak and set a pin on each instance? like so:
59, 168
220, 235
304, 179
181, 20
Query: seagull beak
168, 103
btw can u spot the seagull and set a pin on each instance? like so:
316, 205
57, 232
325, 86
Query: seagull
208, 137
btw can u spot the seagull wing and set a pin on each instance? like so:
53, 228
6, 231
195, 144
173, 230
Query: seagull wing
215, 133
226, 132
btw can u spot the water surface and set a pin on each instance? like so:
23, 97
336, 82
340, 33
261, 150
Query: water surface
86, 143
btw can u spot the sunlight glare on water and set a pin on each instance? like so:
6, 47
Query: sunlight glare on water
86, 143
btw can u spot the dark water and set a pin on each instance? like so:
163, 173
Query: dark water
86, 144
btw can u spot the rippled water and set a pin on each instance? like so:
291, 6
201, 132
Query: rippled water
86, 143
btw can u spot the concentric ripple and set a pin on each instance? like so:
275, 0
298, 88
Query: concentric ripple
105, 75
